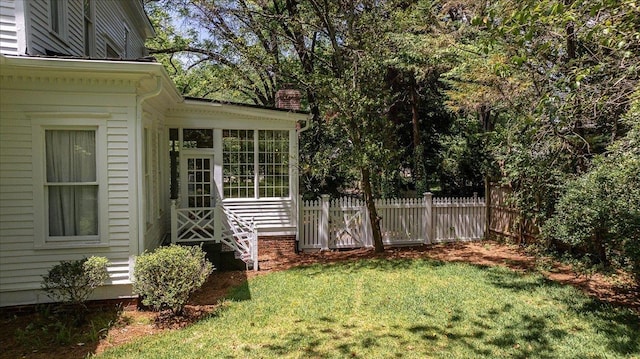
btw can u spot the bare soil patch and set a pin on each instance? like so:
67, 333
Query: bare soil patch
132, 323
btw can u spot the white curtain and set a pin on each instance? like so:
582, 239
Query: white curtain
70, 161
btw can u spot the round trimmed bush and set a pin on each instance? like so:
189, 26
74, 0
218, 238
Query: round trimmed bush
73, 281
167, 277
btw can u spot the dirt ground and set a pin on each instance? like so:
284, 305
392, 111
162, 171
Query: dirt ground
132, 323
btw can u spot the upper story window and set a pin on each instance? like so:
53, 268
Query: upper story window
127, 35
89, 28
58, 17
111, 52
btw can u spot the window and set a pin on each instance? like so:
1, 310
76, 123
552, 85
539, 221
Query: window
238, 155
57, 16
126, 42
273, 166
111, 52
148, 186
174, 162
255, 163
71, 184
159, 173
69, 174
89, 30
197, 138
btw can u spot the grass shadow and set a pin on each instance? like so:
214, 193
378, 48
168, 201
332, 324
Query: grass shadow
356, 265
617, 323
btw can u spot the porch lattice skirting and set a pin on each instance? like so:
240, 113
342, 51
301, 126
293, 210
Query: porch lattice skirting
344, 223
218, 224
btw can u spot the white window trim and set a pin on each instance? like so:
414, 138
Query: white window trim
256, 166
159, 174
73, 121
147, 167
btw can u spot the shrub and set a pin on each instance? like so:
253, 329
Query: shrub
73, 281
598, 215
167, 277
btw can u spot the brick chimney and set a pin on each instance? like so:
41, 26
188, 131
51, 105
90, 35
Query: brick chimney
288, 98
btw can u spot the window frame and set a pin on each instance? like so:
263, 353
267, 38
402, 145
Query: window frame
41, 211
257, 165
274, 144
250, 163
89, 28
110, 44
61, 20
147, 170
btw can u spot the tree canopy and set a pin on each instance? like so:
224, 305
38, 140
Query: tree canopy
412, 96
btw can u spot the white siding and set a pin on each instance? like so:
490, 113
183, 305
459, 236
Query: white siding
111, 20
272, 216
41, 39
22, 97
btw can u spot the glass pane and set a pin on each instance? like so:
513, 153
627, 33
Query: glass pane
273, 167
73, 210
197, 138
70, 156
238, 165
87, 8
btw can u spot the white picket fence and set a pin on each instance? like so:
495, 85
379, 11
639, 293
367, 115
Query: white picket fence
344, 222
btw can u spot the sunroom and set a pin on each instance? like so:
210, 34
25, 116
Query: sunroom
233, 174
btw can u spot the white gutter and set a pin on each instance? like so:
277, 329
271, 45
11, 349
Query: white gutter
138, 165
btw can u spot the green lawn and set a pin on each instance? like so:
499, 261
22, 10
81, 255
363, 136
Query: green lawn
402, 309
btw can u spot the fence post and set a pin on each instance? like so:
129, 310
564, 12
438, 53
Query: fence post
487, 207
324, 223
219, 218
300, 224
428, 217
174, 222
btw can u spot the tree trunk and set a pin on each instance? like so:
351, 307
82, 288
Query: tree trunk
418, 150
484, 116
371, 208
571, 36
600, 249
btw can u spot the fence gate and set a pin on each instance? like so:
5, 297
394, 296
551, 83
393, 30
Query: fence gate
347, 224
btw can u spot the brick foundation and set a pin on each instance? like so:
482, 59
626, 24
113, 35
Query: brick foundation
271, 248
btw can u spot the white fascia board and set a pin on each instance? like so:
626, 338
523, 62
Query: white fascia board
80, 65
113, 69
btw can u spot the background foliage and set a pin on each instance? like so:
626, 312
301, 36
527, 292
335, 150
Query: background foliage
410, 96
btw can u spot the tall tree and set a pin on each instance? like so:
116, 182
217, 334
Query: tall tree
333, 49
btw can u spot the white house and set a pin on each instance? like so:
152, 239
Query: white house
100, 155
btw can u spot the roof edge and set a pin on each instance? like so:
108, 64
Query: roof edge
248, 105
